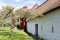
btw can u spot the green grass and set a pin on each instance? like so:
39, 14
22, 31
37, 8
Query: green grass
17, 35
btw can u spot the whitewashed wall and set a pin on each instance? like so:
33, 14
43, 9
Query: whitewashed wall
31, 27
50, 19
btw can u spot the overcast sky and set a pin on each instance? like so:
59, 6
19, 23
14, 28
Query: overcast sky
20, 3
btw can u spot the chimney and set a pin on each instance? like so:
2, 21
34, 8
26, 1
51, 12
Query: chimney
25, 8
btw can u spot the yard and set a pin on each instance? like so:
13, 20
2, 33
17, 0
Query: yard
17, 35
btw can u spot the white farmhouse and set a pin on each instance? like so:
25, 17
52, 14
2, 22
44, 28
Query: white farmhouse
48, 20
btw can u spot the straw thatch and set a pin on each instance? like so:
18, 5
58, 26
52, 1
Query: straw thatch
45, 7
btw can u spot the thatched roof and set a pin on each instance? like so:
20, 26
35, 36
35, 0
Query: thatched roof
45, 7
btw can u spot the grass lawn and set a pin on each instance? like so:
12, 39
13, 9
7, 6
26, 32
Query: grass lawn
17, 35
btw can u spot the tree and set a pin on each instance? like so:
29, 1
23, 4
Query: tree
23, 14
7, 13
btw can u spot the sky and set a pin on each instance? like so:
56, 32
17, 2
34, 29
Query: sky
20, 3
